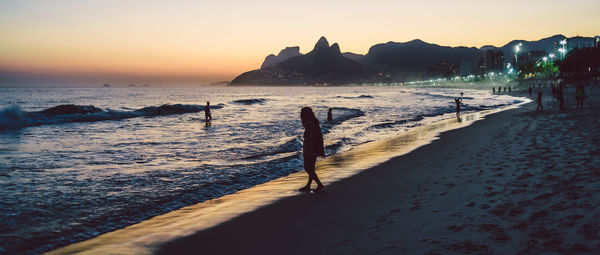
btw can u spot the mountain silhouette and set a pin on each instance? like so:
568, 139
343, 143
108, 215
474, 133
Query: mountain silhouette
399, 61
323, 65
413, 58
283, 55
545, 44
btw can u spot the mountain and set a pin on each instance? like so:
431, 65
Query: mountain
545, 44
323, 65
283, 55
415, 57
391, 61
353, 56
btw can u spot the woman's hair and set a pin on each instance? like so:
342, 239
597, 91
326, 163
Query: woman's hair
307, 114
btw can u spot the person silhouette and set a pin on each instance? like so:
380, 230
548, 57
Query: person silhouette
329, 115
493, 89
579, 95
499, 89
560, 96
530, 90
509, 90
207, 112
538, 100
311, 148
458, 101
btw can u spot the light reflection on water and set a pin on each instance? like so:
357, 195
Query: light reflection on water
144, 237
67, 182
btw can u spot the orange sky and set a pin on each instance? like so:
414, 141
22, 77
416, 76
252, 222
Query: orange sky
200, 41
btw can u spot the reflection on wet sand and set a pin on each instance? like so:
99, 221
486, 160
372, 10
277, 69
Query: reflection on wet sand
144, 237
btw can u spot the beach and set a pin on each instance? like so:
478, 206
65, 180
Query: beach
516, 182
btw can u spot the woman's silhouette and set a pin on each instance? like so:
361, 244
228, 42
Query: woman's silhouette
312, 147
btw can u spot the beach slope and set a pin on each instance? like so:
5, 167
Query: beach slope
516, 182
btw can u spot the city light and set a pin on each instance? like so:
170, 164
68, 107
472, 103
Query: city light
517, 49
545, 59
563, 50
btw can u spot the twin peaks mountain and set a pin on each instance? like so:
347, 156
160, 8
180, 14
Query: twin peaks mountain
391, 61
323, 65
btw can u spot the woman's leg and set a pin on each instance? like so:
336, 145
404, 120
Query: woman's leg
316, 178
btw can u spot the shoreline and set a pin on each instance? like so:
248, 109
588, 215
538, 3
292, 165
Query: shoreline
147, 235
518, 182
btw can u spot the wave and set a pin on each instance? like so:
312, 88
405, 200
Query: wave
14, 117
440, 96
250, 101
294, 144
361, 96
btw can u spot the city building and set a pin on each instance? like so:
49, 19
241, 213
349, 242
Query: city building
465, 68
494, 61
580, 42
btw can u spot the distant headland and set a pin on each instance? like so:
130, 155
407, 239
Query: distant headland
394, 62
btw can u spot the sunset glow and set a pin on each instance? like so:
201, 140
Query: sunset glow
207, 41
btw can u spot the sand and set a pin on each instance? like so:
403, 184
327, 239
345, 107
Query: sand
516, 182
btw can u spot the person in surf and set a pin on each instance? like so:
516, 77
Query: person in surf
312, 148
458, 101
207, 112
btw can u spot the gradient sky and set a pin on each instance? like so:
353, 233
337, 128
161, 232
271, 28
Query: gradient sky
130, 41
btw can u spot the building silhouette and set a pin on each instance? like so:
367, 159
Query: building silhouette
494, 61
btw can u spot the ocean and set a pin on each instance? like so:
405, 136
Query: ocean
111, 157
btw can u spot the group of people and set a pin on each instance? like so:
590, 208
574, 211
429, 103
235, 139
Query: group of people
558, 94
500, 89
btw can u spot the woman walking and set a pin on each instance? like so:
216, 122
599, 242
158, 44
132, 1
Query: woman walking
312, 148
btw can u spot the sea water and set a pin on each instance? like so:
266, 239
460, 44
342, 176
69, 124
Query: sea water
117, 156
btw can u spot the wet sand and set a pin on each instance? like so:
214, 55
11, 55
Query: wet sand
516, 182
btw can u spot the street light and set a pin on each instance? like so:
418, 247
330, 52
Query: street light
563, 50
545, 58
517, 49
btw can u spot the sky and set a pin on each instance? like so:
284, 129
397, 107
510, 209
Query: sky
198, 42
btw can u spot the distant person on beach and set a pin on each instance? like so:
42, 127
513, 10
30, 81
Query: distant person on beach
560, 97
461, 94
509, 89
207, 112
579, 95
504, 89
458, 101
538, 100
530, 90
329, 115
493, 89
312, 148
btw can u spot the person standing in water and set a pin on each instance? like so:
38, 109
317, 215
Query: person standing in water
458, 101
538, 100
579, 95
207, 112
329, 115
312, 148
